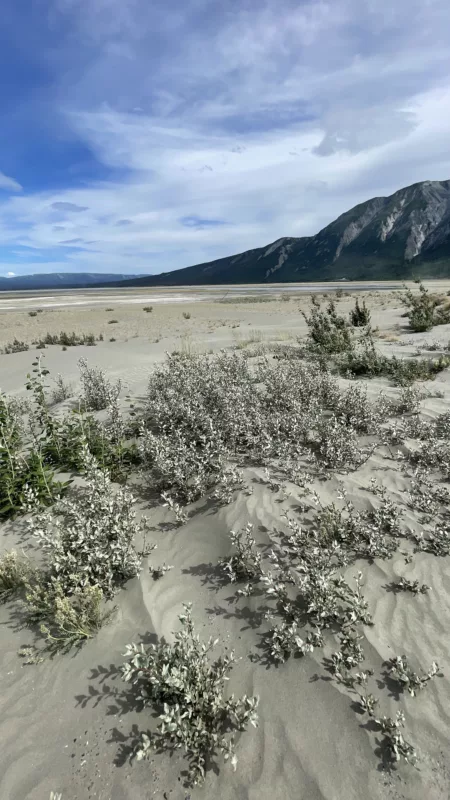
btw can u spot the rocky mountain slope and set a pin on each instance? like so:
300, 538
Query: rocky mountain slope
404, 235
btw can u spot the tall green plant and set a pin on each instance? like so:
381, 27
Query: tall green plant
21, 466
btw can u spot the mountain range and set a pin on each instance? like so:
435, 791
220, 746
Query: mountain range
58, 280
401, 236
405, 235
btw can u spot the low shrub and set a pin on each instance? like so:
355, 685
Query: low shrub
256, 298
66, 339
394, 745
188, 689
15, 572
62, 438
98, 391
65, 621
89, 540
400, 670
61, 391
360, 315
328, 332
20, 467
364, 360
148, 309
424, 311
15, 346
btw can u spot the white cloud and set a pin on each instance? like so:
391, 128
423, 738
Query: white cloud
9, 183
10, 274
274, 119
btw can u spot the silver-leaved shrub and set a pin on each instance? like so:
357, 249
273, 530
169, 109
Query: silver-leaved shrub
188, 688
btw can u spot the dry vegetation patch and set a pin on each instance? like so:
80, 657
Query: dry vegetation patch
302, 421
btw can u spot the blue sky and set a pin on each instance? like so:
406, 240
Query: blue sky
144, 136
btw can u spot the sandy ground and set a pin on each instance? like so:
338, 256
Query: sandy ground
67, 724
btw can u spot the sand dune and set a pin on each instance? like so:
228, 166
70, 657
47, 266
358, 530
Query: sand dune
68, 724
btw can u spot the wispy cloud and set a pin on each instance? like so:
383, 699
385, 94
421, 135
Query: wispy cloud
211, 129
9, 183
70, 207
198, 222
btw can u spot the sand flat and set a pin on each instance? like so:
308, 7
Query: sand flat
67, 724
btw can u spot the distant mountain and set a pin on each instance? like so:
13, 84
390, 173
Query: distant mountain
58, 280
401, 236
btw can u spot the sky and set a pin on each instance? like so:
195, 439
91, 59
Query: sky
140, 137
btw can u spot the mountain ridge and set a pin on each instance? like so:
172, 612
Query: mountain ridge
394, 237
400, 236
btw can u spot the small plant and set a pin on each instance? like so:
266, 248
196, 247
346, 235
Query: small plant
364, 360
285, 641
21, 468
436, 541
159, 570
112, 321
360, 315
394, 744
186, 315
32, 313
368, 704
424, 311
62, 390
338, 446
65, 620
327, 331
399, 669
405, 585
90, 540
98, 391
409, 400
245, 563
178, 510
349, 655
232, 480
148, 309
15, 572
188, 689
15, 346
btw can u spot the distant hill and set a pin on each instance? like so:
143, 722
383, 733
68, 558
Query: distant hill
396, 237
58, 280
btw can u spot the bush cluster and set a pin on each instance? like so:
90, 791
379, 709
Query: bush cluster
15, 346
329, 332
67, 339
424, 310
